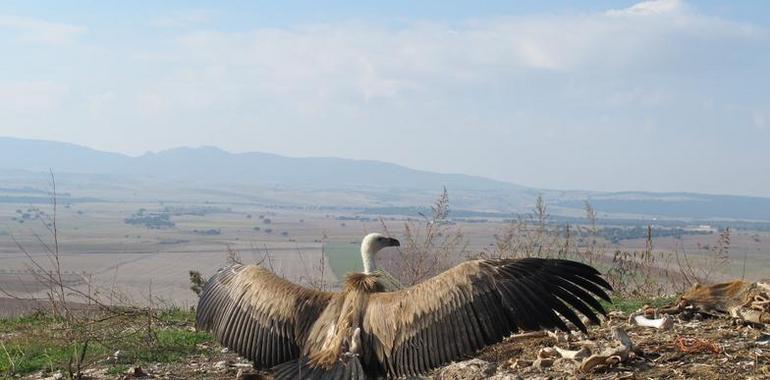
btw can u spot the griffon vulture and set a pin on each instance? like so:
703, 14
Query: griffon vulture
375, 329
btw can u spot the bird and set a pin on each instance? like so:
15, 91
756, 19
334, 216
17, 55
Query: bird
370, 246
374, 328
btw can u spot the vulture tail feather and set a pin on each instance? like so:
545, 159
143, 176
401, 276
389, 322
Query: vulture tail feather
347, 368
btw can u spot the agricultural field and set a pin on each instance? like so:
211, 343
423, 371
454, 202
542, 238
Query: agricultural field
127, 249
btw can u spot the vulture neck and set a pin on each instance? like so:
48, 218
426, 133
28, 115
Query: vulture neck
367, 254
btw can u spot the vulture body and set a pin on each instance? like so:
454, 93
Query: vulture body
371, 330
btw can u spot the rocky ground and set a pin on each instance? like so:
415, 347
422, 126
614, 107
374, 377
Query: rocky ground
708, 349
682, 348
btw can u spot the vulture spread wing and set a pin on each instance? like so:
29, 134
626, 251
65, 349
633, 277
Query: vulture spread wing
261, 316
473, 305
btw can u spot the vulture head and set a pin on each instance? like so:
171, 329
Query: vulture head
373, 328
372, 244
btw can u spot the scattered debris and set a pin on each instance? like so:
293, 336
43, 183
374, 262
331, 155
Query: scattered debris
544, 358
474, 369
573, 354
558, 336
530, 334
222, 364
56, 376
695, 345
682, 341
614, 355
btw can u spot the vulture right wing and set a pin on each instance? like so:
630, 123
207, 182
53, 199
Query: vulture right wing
259, 315
472, 305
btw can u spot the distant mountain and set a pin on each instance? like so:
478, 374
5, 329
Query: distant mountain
214, 164
344, 182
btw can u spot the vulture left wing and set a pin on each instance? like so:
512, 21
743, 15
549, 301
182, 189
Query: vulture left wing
259, 315
473, 305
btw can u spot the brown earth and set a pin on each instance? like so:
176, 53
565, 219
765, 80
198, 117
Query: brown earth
721, 349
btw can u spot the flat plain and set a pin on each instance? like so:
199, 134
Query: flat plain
138, 251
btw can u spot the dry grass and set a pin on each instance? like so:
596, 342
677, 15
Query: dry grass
428, 247
78, 327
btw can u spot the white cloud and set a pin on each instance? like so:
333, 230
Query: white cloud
37, 31
347, 62
651, 7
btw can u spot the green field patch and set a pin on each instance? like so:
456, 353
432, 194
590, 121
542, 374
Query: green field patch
344, 257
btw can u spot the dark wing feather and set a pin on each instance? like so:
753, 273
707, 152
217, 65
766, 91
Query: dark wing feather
259, 315
475, 304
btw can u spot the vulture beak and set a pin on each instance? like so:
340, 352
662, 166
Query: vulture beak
394, 243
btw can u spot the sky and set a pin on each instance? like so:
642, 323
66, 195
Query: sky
661, 95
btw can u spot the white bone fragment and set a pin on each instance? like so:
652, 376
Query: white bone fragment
610, 356
573, 354
664, 323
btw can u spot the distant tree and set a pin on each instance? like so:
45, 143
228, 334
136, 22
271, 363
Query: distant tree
267, 221
541, 212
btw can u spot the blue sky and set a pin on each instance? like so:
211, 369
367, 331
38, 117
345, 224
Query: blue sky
660, 95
